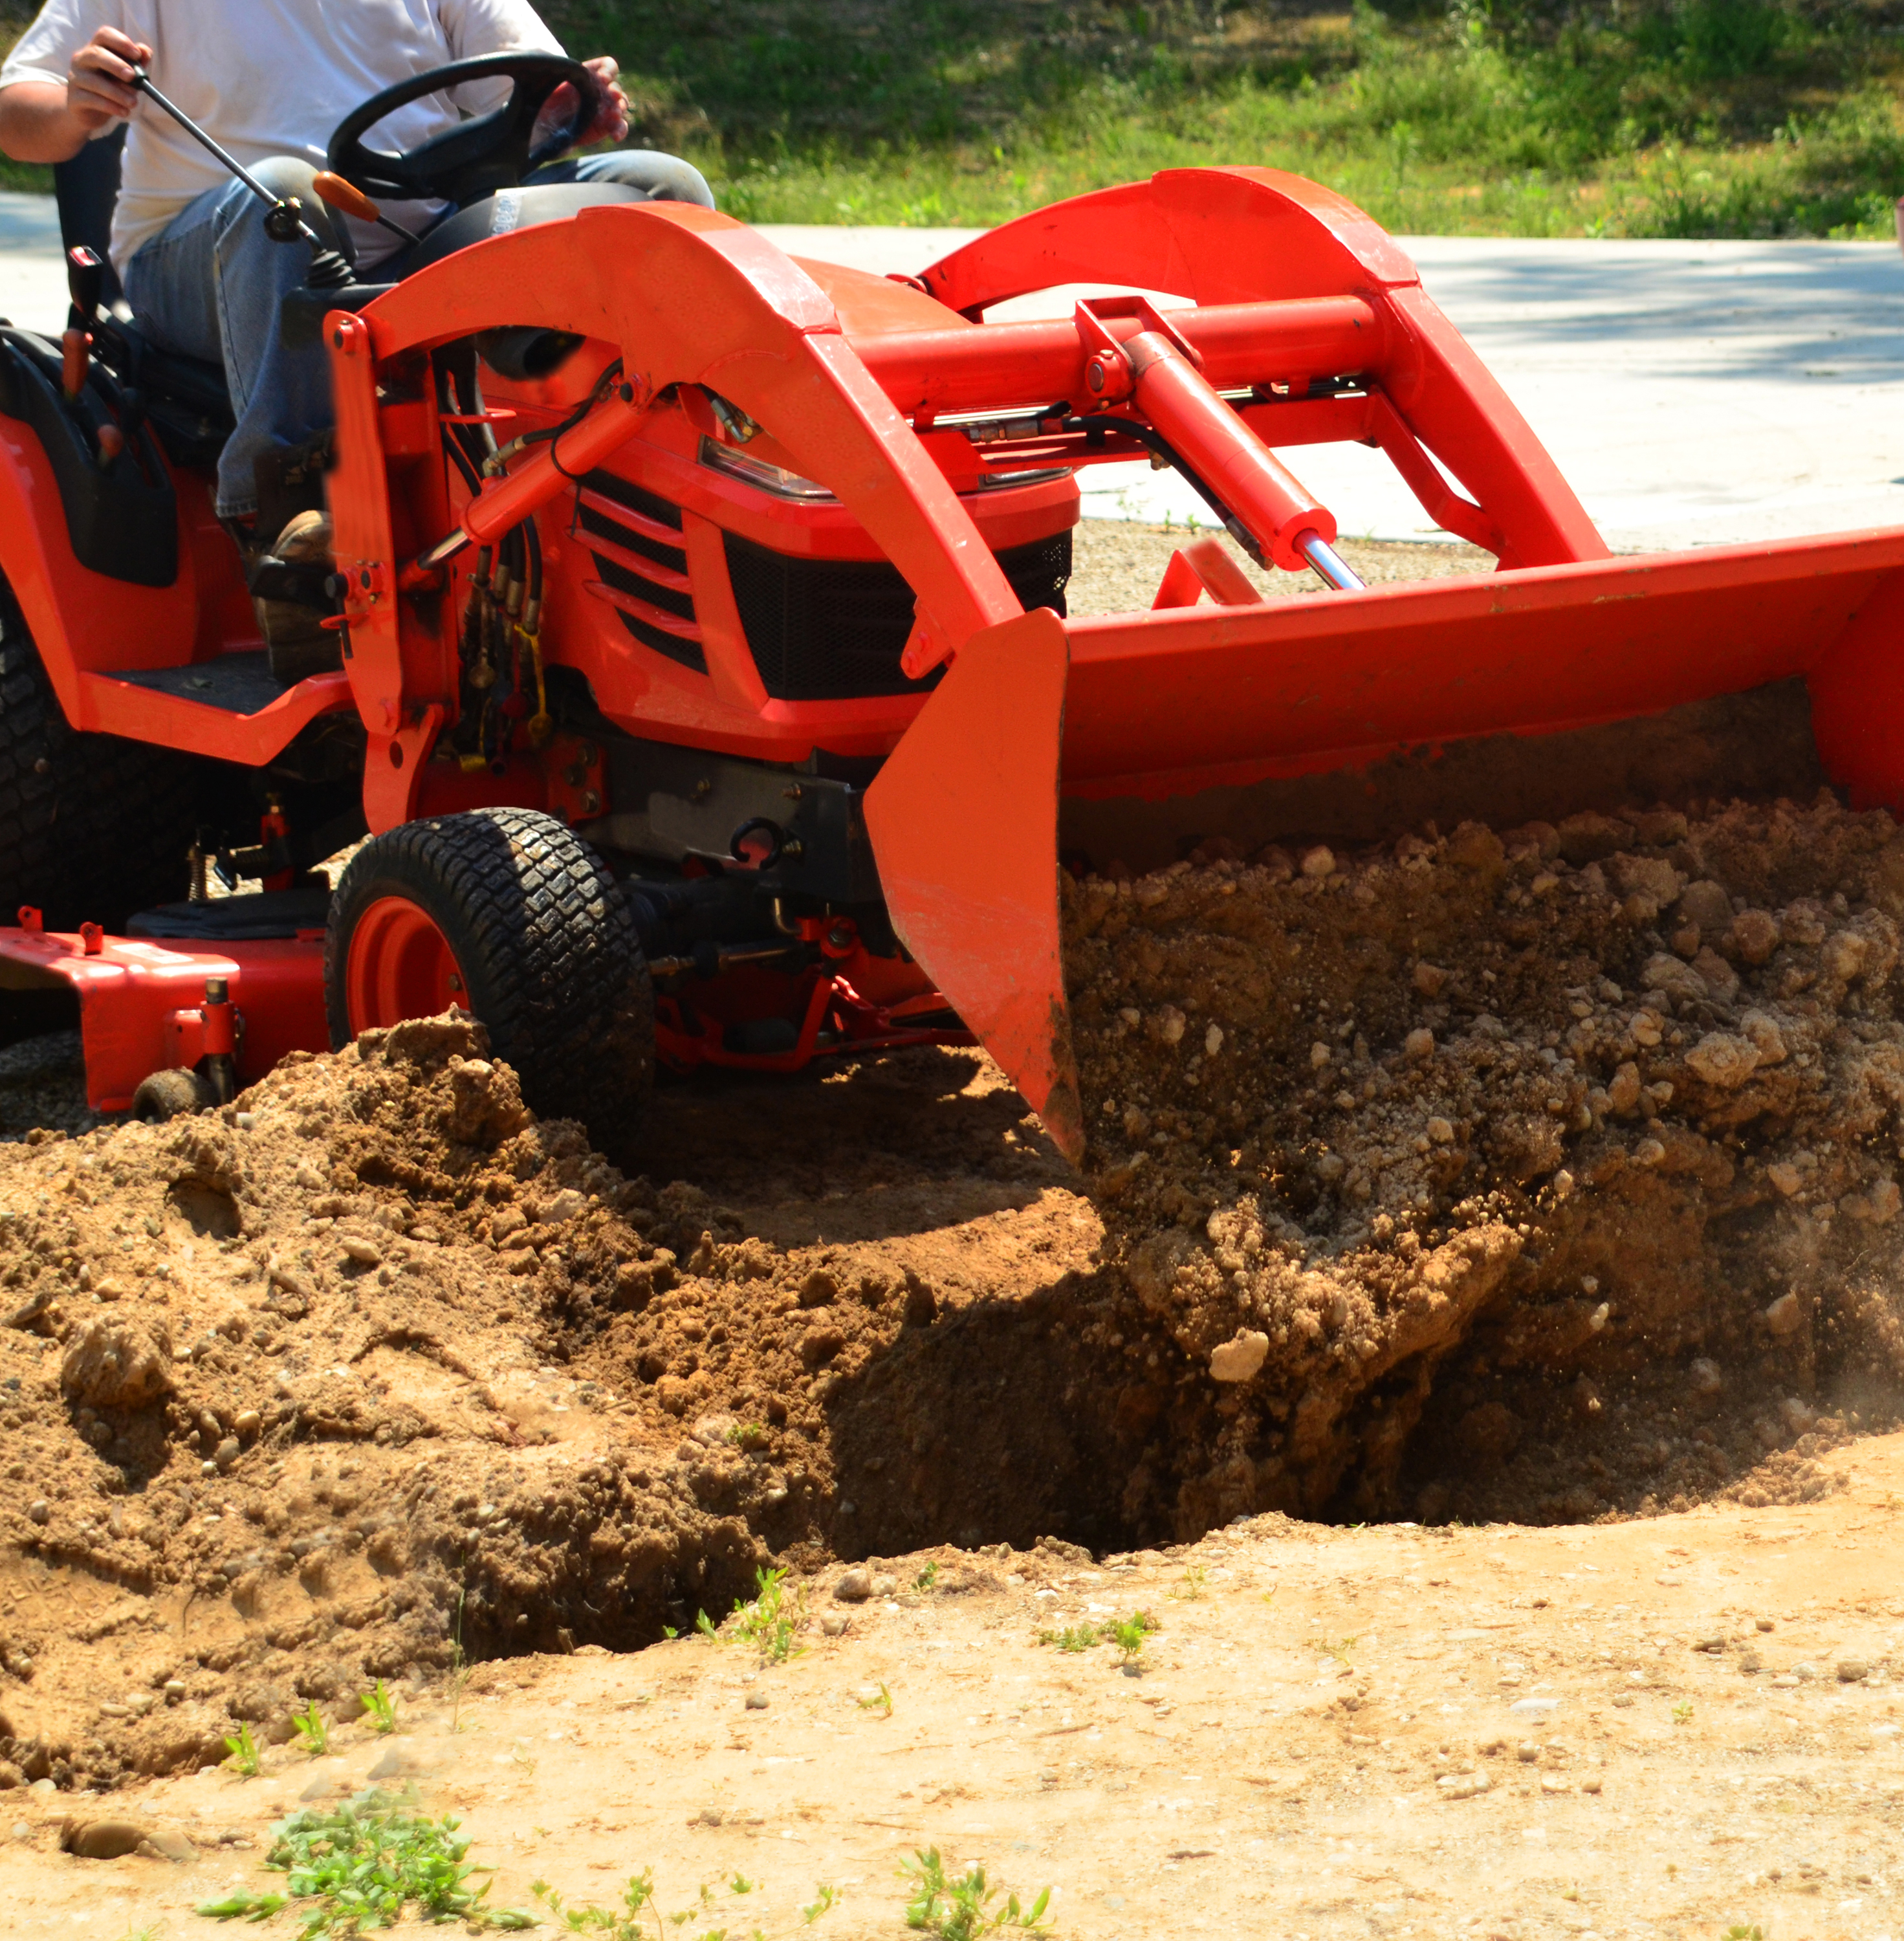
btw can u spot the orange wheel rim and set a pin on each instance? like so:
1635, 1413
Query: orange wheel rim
400, 965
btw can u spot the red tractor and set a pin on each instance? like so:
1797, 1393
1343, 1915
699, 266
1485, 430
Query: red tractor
706, 693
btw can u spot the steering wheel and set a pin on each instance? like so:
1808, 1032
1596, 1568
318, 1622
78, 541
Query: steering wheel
478, 156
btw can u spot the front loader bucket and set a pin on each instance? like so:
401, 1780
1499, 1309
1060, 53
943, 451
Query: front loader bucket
1349, 717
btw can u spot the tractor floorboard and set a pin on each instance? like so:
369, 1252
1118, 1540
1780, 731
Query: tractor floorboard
234, 683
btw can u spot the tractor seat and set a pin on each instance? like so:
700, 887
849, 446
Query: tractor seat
186, 398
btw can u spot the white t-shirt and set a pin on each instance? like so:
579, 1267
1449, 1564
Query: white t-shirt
268, 78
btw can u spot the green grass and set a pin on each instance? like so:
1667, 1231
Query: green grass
1647, 117
365, 1865
244, 1755
1533, 117
959, 1907
379, 1706
314, 1730
639, 1907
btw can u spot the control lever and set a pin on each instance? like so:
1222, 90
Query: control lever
284, 221
347, 197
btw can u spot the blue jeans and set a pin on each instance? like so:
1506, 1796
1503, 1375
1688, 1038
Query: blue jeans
210, 284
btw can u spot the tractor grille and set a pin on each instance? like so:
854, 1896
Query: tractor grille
630, 525
828, 630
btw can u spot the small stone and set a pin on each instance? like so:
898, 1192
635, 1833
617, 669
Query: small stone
119, 1361
1713, 1645
1724, 1059
1318, 862
22, 1831
1440, 1132
1763, 1624
1590, 1786
1707, 904
1527, 1752
175, 1690
366, 1253
855, 1585
1622, 1700
757, 1701
1754, 935
1785, 1177
100, 1839
1464, 1785
1430, 980
819, 1289
1170, 1024
1623, 1092
1851, 1670
165, 1843
1768, 1041
39, 1510
835, 1624
1213, 1040
1706, 1377
1749, 1661
1420, 1043
1552, 1782
1239, 1359
1882, 1202
1319, 1056
884, 1586
227, 1452
1785, 1316
565, 1206
246, 1423
1648, 1152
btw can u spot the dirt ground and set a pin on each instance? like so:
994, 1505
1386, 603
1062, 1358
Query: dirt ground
1657, 1727
1509, 1176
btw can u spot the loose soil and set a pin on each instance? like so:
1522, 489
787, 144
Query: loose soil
1668, 1727
1543, 1175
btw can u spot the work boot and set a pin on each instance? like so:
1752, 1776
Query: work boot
288, 593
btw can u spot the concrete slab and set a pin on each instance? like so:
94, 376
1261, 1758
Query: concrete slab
1694, 393
33, 278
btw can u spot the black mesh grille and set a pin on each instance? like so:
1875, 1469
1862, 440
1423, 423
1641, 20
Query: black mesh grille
597, 524
827, 630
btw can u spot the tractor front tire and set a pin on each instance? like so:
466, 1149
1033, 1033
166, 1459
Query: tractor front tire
509, 914
92, 828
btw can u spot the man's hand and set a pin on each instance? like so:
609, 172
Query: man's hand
99, 85
40, 121
611, 121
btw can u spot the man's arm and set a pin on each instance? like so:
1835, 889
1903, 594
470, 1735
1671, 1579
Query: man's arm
40, 121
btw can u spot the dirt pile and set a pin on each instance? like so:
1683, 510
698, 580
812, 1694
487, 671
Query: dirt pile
372, 1369
1527, 1174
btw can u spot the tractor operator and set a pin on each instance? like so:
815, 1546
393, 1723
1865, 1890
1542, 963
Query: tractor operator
269, 80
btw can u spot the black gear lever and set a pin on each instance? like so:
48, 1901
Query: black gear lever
284, 220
